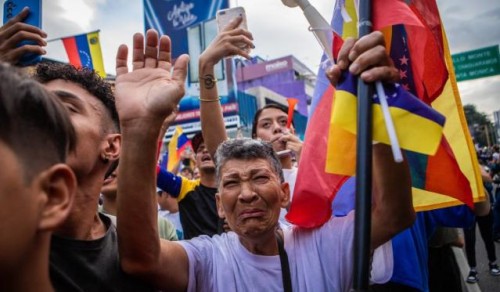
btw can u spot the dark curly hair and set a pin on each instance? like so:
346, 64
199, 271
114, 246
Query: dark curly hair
86, 78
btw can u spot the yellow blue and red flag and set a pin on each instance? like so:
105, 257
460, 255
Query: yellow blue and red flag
84, 50
176, 146
443, 167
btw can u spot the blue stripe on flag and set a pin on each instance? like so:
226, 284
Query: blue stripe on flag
82, 44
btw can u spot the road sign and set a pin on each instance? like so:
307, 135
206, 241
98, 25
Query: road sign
478, 63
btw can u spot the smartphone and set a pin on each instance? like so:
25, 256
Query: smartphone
12, 8
225, 16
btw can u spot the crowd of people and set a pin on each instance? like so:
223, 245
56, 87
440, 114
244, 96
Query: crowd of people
487, 214
85, 205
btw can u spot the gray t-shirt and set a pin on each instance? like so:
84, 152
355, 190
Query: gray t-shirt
82, 265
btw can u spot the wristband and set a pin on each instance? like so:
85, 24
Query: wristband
208, 100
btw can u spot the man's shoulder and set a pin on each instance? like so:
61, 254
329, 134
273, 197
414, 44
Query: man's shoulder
335, 226
188, 186
215, 242
199, 189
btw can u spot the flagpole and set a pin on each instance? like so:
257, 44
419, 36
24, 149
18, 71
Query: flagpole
59, 38
362, 223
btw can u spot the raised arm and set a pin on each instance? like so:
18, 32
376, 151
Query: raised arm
14, 32
145, 96
224, 45
392, 209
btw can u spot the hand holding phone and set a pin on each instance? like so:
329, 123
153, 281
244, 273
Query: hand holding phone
225, 16
29, 50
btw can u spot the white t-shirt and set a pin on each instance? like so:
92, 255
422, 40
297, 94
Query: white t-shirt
320, 260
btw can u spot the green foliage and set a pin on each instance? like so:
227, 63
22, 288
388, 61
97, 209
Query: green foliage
480, 125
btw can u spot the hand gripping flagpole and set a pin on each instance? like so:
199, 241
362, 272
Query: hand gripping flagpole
323, 32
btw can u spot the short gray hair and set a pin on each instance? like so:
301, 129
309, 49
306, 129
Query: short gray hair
247, 149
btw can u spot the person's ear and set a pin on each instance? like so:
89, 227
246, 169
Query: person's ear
111, 147
285, 195
58, 188
220, 209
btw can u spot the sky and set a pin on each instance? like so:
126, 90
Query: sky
278, 31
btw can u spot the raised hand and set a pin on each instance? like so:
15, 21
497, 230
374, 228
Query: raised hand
148, 92
366, 57
229, 42
14, 32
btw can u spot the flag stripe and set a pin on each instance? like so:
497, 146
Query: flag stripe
72, 51
176, 146
456, 130
173, 155
84, 51
420, 141
95, 52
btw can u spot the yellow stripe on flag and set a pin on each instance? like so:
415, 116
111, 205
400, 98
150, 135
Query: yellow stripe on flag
456, 130
173, 158
419, 141
96, 53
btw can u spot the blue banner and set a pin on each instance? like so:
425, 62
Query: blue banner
173, 17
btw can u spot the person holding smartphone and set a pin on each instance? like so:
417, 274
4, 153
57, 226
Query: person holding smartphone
269, 122
15, 31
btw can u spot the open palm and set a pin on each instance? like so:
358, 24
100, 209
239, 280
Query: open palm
149, 90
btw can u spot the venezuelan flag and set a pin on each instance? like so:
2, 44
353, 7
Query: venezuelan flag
84, 50
444, 168
176, 146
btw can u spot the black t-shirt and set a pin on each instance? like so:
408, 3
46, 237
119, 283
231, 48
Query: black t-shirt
79, 265
198, 212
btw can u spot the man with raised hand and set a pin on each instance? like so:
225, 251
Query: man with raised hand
144, 98
84, 249
251, 192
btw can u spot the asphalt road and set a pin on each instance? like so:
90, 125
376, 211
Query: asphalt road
487, 282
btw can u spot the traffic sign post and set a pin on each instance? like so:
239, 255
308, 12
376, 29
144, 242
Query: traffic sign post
478, 63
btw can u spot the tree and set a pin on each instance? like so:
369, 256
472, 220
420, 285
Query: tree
480, 126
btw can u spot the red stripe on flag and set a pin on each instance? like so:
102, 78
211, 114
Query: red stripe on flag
444, 176
72, 51
337, 45
426, 46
